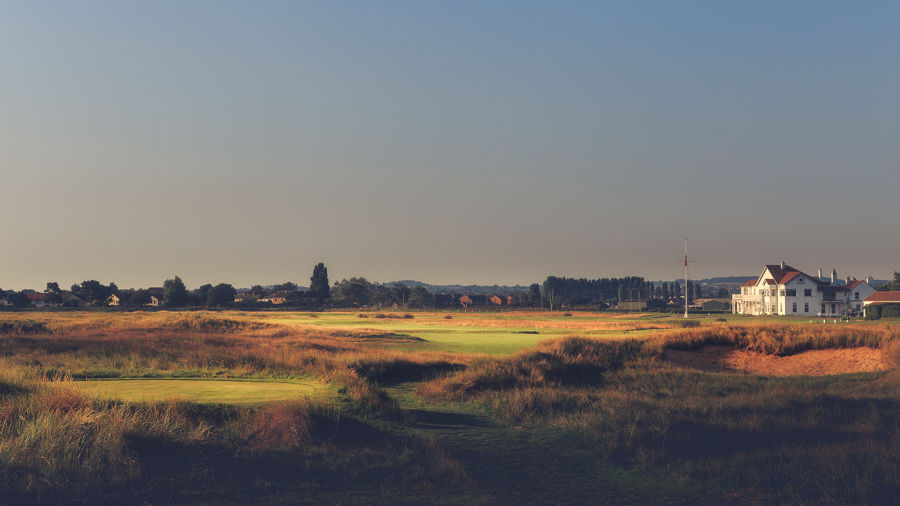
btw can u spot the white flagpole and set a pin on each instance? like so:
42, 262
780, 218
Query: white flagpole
685, 281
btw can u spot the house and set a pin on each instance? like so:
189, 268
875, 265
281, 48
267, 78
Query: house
496, 300
714, 304
277, 298
784, 290
115, 300
156, 296
39, 299
632, 305
877, 298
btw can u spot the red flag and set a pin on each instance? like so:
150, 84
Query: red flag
685, 260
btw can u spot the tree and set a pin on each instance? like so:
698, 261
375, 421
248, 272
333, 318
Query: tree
621, 293
203, 293
352, 291
400, 293
419, 296
892, 285
689, 292
174, 292
318, 283
139, 298
52, 287
534, 293
257, 290
221, 295
93, 290
698, 292
53, 298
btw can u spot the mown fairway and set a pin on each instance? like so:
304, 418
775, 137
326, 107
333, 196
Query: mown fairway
221, 391
385, 407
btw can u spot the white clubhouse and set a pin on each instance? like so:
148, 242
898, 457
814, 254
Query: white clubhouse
784, 290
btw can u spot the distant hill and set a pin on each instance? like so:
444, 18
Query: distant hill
465, 289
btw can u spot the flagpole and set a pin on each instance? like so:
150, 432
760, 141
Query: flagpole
685, 281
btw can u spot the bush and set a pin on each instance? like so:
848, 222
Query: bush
23, 327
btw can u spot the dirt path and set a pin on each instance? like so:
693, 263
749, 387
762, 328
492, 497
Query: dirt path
807, 363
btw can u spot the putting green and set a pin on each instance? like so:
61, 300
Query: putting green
204, 391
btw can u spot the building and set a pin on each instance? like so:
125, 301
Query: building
714, 304
115, 300
892, 297
39, 299
784, 290
632, 305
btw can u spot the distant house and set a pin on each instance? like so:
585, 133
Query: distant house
115, 300
633, 305
877, 298
496, 300
277, 298
714, 304
465, 301
156, 296
39, 299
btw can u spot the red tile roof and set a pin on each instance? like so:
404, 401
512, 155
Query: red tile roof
884, 297
854, 284
36, 296
749, 282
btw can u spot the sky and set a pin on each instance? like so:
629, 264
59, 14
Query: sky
449, 142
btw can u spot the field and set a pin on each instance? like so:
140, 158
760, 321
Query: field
517, 407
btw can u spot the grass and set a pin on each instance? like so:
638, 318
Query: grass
219, 391
526, 407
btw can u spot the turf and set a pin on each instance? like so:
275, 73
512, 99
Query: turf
204, 391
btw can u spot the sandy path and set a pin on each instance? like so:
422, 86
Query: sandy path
808, 363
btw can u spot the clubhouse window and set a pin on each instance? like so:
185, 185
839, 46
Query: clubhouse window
807, 292
795, 307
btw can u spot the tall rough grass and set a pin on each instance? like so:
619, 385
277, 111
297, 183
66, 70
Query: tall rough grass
782, 339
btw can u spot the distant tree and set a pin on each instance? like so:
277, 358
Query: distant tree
698, 292
318, 282
419, 296
93, 290
689, 292
621, 292
352, 291
257, 290
203, 293
665, 291
722, 293
380, 294
891, 285
174, 292
287, 286
221, 295
400, 293
53, 298
52, 287
18, 299
534, 294
139, 298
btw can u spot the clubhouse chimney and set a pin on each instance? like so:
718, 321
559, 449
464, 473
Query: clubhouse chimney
820, 274
868, 280
833, 276
782, 265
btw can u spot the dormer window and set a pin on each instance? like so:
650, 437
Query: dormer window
800, 280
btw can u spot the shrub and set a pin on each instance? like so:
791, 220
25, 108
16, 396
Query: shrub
23, 327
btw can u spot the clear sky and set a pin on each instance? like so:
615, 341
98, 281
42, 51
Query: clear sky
452, 142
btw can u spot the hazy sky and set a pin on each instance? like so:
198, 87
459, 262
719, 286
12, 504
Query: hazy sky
453, 142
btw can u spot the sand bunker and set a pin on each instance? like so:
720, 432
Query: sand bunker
807, 363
